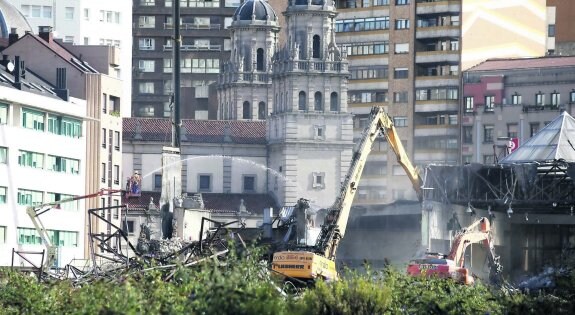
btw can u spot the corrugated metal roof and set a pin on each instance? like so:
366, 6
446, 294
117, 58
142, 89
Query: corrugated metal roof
202, 131
524, 63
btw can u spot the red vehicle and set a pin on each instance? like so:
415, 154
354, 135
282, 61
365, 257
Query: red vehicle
451, 265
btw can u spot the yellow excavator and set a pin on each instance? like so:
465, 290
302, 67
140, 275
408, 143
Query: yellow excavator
311, 262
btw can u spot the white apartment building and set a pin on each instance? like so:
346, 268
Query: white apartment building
88, 22
42, 159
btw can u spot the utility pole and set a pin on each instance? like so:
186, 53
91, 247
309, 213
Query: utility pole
177, 41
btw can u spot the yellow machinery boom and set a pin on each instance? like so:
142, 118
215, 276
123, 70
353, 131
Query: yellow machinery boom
319, 260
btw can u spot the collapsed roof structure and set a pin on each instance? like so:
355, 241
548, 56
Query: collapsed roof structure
537, 175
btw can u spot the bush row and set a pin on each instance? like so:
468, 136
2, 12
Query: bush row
241, 286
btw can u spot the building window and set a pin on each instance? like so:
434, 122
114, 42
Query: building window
318, 180
489, 103
116, 174
555, 99
3, 194
488, 133
3, 155
302, 102
147, 65
204, 183
516, 99
362, 24
571, 100
168, 66
533, 128
400, 97
316, 47
128, 227
64, 126
87, 14
333, 102
30, 197
402, 48
146, 21
551, 30
249, 182
401, 2
117, 140
103, 179
246, 110
28, 236
68, 39
157, 181
367, 49
146, 87
317, 101
469, 108
146, 43
400, 73
260, 60
104, 136
62, 164
319, 132
512, 130
3, 114
116, 208
467, 134
31, 159
147, 2
68, 206
32, 119
401, 24
69, 13
400, 121
262, 110
371, 72
540, 99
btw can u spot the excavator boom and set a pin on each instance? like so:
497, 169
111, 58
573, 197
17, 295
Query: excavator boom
332, 231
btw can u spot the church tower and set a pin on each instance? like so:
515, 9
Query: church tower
244, 89
310, 132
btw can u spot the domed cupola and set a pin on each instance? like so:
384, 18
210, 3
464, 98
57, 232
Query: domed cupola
255, 10
11, 18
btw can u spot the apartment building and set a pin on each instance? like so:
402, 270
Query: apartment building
54, 151
88, 22
95, 83
507, 101
205, 43
560, 31
403, 55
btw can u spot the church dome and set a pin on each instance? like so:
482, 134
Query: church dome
10, 18
255, 10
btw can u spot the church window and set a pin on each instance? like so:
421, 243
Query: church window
249, 183
260, 60
318, 179
262, 110
246, 110
317, 101
333, 102
302, 101
316, 47
204, 182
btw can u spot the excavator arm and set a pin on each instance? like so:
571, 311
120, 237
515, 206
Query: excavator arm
471, 235
380, 121
34, 213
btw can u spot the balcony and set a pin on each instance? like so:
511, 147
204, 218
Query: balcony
194, 26
437, 56
195, 47
311, 66
436, 80
436, 106
440, 6
436, 130
252, 77
437, 32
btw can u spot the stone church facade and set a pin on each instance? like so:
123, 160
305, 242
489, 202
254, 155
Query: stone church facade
300, 89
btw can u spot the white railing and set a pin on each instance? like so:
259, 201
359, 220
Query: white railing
194, 26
